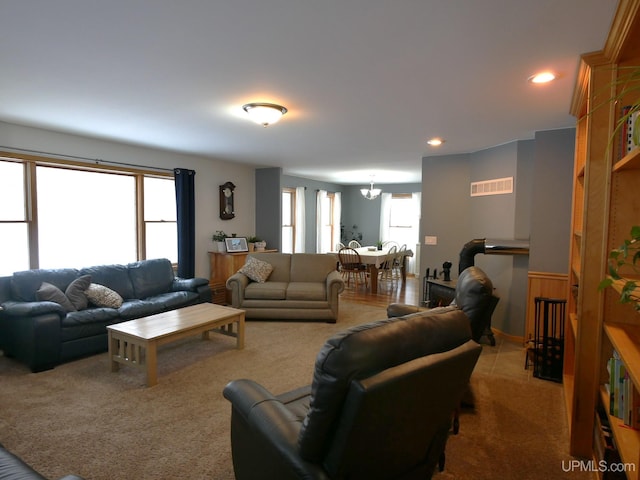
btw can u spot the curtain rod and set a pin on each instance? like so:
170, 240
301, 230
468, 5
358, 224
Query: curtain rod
97, 161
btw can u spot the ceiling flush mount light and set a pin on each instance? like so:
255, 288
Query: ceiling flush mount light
264, 114
542, 77
370, 193
435, 142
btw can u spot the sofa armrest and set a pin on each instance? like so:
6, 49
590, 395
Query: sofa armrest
30, 309
265, 435
197, 284
31, 332
335, 280
237, 283
188, 284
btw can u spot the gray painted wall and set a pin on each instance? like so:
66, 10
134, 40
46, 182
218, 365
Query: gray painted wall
268, 208
551, 219
446, 209
538, 211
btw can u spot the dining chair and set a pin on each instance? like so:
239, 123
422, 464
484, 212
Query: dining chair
351, 266
339, 245
386, 269
354, 244
389, 244
398, 261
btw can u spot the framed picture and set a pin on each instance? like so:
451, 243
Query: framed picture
236, 244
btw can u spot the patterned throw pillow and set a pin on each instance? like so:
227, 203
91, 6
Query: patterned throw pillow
50, 293
102, 296
256, 270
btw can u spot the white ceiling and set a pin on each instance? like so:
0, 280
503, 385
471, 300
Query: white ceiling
366, 82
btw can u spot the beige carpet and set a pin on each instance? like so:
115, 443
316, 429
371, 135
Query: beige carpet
81, 418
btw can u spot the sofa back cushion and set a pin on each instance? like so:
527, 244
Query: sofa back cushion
151, 277
24, 285
281, 263
311, 267
115, 277
365, 350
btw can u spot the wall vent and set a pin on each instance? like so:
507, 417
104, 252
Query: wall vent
498, 186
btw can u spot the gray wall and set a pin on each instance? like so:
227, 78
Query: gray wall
551, 219
268, 206
537, 211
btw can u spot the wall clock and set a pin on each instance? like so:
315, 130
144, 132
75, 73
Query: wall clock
226, 201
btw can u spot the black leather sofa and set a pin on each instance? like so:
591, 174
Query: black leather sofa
43, 334
13, 468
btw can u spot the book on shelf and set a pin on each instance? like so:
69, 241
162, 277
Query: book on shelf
630, 130
624, 399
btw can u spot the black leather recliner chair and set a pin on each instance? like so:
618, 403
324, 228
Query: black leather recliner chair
379, 407
474, 295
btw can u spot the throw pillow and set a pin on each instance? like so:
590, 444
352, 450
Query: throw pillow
50, 293
102, 296
256, 270
75, 292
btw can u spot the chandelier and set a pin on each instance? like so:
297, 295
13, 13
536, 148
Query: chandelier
370, 193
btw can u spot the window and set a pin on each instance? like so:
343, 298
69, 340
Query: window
160, 218
91, 222
14, 228
60, 214
400, 221
328, 213
288, 220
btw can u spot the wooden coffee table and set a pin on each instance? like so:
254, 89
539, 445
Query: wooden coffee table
136, 342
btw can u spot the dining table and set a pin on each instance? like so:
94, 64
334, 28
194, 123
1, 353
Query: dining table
374, 259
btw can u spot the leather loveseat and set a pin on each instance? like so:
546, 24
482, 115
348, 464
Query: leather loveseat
43, 333
13, 468
299, 286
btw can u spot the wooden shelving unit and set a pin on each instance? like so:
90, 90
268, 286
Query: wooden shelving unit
606, 204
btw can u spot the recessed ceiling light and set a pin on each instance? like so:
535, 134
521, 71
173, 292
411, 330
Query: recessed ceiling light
542, 77
435, 142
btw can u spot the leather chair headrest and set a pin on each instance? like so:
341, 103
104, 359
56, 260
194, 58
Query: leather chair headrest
366, 350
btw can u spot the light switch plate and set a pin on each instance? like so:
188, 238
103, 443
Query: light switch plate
430, 240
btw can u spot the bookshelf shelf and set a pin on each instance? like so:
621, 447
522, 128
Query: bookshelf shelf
630, 161
625, 339
627, 439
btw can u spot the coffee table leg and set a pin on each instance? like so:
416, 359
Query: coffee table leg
240, 322
151, 360
113, 351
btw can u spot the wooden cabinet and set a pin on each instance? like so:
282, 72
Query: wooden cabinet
606, 203
221, 266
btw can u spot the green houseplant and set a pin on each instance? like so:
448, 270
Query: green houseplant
624, 269
251, 242
218, 240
